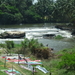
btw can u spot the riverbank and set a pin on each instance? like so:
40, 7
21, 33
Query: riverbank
50, 64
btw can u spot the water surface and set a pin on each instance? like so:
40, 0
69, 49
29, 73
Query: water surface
36, 31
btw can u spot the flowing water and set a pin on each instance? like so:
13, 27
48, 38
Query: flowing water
37, 31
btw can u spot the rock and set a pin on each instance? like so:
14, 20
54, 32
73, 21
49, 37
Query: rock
65, 27
58, 26
73, 32
12, 34
48, 35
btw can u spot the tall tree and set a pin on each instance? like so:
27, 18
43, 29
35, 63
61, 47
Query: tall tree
65, 10
9, 45
44, 8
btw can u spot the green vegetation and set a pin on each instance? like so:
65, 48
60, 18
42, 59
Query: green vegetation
2, 73
60, 63
58, 37
9, 46
33, 47
27, 47
68, 61
2, 68
24, 11
2, 65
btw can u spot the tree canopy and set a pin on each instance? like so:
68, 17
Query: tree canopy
24, 11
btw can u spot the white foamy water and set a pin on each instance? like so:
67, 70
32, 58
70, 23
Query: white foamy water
38, 33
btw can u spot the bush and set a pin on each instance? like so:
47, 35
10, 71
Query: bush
67, 61
58, 37
2, 45
9, 46
42, 52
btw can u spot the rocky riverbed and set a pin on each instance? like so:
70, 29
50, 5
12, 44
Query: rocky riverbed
68, 27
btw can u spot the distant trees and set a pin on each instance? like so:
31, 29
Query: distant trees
45, 8
64, 10
24, 11
9, 14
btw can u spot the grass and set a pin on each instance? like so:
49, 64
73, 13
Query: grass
2, 68
17, 67
50, 64
17, 45
3, 73
2, 65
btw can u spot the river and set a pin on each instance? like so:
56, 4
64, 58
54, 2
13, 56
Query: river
37, 30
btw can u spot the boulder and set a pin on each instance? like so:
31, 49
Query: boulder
58, 26
48, 35
12, 34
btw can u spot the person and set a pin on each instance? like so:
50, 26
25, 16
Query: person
25, 60
20, 57
33, 70
52, 50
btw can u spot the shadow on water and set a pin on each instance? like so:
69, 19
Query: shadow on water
29, 25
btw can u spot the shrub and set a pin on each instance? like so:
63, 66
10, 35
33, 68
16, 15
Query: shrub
67, 61
2, 45
42, 52
9, 46
58, 37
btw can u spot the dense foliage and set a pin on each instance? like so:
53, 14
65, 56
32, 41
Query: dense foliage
59, 37
24, 11
9, 46
28, 47
62, 64
35, 48
68, 61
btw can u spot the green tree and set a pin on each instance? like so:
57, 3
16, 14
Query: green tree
33, 44
31, 15
44, 8
64, 10
9, 46
25, 46
29, 46
10, 14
